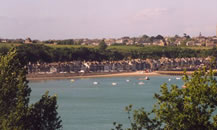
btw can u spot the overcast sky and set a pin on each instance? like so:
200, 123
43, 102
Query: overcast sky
62, 19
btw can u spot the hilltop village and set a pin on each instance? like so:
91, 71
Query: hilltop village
158, 40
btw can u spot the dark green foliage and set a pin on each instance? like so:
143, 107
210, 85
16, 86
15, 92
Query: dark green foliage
114, 55
192, 107
15, 113
42, 53
4, 50
44, 115
213, 52
66, 42
14, 93
159, 37
147, 39
34, 52
102, 45
186, 36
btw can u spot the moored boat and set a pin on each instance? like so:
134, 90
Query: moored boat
114, 83
141, 83
95, 83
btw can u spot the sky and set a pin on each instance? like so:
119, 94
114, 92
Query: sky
65, 19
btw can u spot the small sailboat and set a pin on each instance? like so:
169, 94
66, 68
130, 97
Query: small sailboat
169, 79
114, 83
141, 83
95, 83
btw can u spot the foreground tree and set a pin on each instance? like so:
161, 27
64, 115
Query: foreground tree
191, 107
15, 112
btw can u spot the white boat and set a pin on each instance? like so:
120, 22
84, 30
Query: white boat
141, 83
114, 83
178, 78
169, 79
72, 80
147, 78
127, 80
95, 83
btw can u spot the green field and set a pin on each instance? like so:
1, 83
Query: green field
115, 47
68, 46
124, 47
198, 47
119, 47
9, 45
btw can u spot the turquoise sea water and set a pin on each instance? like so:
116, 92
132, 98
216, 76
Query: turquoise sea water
85, 106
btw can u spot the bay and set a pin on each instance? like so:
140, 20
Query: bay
84, 105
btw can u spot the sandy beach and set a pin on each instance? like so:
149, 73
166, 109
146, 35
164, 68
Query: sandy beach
55, 76
87, 75
174, 72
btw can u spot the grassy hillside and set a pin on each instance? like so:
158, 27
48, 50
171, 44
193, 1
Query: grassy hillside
68, 46
9, 45
198, 47
114, 47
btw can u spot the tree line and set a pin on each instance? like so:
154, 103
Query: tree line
41, 53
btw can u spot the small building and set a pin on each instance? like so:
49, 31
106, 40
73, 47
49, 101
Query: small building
198, 44
95, 43
159, 43
190, 43
109, 42
210, 44
3, 40
119, 41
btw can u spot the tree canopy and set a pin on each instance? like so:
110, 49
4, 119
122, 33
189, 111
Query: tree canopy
102, 45
191, 107
41, 53
15, 111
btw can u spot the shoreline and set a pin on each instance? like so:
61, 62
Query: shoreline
173, 73
57, 76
